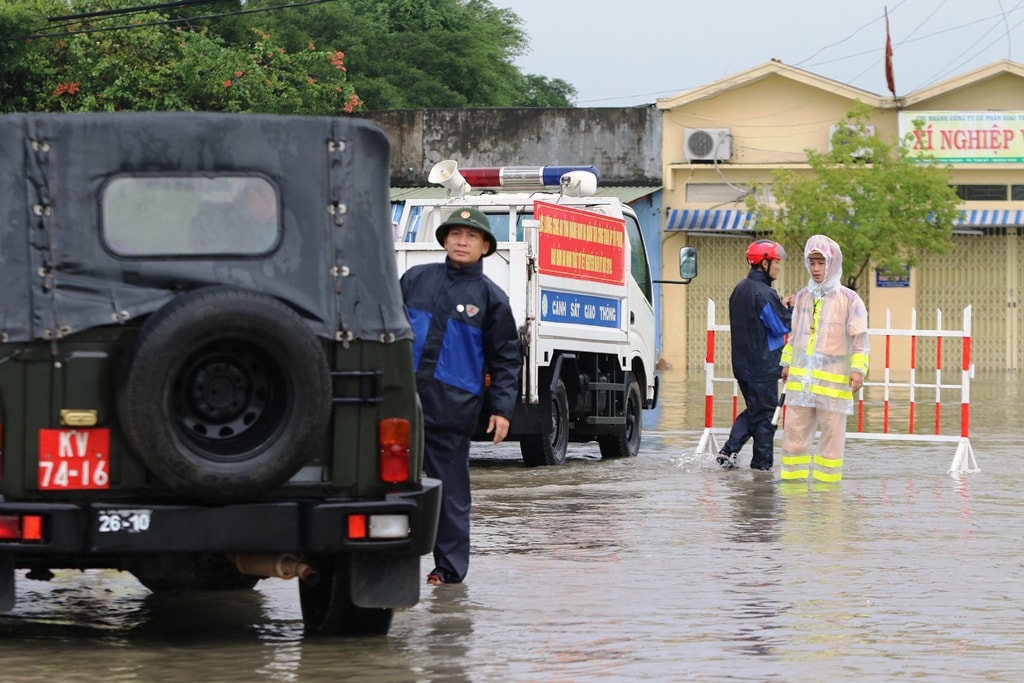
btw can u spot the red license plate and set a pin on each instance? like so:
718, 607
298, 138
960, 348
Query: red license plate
74, 459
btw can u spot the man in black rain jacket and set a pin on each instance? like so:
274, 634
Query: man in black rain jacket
759, 322
464, 328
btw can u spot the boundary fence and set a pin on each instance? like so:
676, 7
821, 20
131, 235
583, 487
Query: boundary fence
963, 459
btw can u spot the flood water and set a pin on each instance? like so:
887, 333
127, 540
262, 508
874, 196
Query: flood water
660, 567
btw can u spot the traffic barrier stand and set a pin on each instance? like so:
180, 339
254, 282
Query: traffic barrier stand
963, 459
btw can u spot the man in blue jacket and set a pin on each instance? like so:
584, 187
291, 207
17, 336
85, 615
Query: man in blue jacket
759, 322
464, 328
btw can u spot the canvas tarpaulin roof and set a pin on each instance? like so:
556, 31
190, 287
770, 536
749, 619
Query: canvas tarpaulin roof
334, 263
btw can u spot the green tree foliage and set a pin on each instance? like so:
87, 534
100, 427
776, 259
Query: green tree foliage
20, 59
545, 92
140, 61
333, 57
412, 54
883, 206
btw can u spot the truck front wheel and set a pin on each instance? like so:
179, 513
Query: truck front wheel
625, 442
549, 447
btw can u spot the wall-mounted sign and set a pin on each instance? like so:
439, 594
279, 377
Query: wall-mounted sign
966, 137
888, 278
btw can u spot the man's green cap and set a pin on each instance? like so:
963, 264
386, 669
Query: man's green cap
470, 218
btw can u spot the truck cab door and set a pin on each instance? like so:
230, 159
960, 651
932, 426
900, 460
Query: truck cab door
641, 301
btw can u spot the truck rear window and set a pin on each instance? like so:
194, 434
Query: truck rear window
157, 216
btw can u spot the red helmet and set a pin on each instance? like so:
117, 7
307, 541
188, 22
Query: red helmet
765, 250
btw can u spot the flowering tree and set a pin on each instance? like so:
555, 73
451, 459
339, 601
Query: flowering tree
265, 55
142, 62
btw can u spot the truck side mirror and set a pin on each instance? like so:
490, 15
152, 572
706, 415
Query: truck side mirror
688, 263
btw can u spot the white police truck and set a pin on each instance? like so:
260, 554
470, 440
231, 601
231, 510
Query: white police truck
579, 281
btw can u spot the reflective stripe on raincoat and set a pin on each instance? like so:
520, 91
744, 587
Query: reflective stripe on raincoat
829, 338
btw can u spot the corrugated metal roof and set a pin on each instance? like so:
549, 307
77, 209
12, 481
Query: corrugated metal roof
625, 193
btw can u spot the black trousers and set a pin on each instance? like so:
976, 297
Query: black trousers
756, 421
446, 457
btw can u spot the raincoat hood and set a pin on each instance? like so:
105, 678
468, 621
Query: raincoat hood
828, 248
829, 340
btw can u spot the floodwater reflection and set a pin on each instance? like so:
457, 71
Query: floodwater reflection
661, 567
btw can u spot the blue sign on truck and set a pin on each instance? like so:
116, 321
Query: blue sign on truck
579, 309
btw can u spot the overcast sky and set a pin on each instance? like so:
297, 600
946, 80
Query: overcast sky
621, 53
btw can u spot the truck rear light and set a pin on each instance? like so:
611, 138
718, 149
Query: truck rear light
32, 528
363, 527
21, 528
10, 528
394, 459
389, 526
357, 526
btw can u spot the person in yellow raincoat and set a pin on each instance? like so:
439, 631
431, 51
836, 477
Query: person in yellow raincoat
823, 364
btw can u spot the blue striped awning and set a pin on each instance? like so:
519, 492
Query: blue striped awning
990, 217
709, 219
720, 219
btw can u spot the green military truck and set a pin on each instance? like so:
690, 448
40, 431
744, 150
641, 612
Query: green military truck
205, 366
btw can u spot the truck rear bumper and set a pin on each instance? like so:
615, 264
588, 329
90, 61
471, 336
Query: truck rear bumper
325, 526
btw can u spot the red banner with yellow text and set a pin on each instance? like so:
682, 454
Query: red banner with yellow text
580, 244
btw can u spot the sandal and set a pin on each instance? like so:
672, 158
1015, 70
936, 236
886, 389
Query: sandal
434, 579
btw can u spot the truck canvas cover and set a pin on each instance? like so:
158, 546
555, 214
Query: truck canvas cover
66, 194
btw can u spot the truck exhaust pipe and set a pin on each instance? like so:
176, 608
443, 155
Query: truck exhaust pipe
281, 566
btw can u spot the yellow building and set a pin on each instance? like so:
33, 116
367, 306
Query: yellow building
720, 138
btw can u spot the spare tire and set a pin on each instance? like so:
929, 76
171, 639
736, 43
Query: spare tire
225, 393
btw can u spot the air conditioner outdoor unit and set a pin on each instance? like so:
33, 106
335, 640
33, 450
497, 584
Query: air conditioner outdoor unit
707, 144
858, 154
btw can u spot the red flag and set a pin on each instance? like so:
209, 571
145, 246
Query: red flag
890, 79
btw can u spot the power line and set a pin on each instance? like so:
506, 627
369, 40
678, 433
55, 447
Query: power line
163, 22
133, 10
955, 56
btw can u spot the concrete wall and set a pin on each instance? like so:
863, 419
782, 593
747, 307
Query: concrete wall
624, 144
